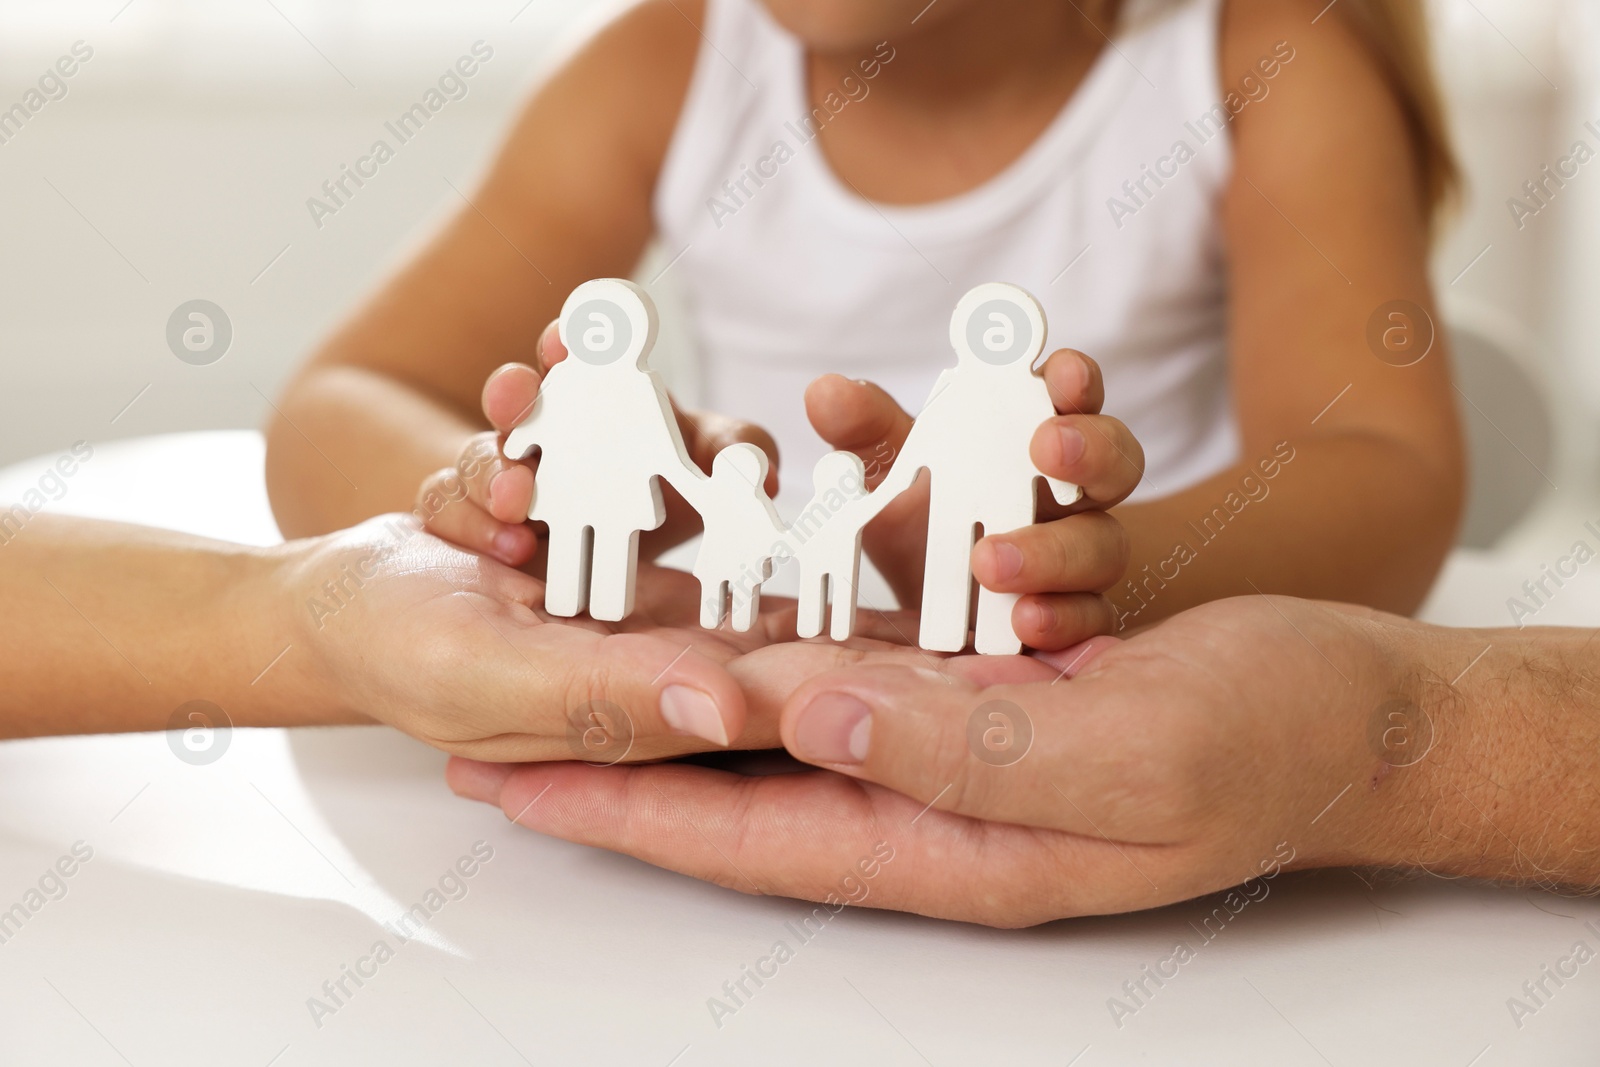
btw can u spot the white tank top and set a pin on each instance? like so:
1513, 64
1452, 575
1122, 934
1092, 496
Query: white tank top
790, 274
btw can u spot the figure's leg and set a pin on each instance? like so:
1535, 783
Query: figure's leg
745, 608
947, 585
844, 585
566, 583
992, 633
842, 601
616, 566
813, 604
713, 602
745, 594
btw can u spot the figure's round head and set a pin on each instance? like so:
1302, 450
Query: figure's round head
841, 472
858, 25
743, 461
997, 324
608, 322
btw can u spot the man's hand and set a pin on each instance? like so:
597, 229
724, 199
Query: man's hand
481, 503
1225, 744
1065, 562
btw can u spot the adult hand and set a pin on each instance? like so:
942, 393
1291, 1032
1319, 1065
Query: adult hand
1226, 743
455, 649
1064, 563
482, 502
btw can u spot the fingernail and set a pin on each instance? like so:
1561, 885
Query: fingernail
689, 711
1072, 444
834, 728
1044, 617
506, 543
1005, 560
1083, 373
478, 781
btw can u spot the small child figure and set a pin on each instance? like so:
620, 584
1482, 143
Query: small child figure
826, 541
742, 530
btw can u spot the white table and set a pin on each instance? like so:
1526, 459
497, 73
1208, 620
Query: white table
220, 898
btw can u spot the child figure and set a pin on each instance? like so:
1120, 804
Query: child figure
826, 542
742, 532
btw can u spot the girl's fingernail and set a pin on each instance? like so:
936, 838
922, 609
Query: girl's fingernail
1005, 560
834, 728
689, 711
1044, 616
1083, 373
1072, 444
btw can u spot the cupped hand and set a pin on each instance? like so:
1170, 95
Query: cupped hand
481, 503
456, 649
1064, 563
1225, 744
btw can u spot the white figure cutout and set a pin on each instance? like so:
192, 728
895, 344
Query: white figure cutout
825, 540
742, 530
972, 438
606, 433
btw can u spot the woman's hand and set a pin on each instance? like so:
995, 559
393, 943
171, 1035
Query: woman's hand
1225, 744
482, 502
456, 650
1065, 562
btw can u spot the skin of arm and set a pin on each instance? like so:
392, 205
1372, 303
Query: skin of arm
1266, 737
110, 627
1323, 224
394, 394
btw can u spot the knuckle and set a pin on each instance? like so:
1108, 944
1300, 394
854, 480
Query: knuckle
438, 491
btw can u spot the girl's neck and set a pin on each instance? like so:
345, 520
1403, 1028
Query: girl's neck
962, 98
987, 53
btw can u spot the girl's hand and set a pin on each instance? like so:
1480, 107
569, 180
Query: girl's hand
482, 502
1066, 561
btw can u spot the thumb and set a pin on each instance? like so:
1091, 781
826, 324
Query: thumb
858, 417
985, 752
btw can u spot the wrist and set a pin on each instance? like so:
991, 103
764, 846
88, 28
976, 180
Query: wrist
297, 684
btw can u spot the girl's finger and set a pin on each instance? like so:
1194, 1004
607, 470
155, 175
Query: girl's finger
1087, 552
508, 395
550, 349
1096, 452
1076, 384
447, 512
858, 417
1055, 621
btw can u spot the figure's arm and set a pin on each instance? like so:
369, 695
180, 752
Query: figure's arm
1063, 492
393, 395
1324, 225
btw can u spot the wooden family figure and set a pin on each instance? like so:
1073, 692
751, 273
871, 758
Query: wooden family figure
606, 436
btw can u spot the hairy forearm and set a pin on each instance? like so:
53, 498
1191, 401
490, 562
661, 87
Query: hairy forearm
1511, 789
109, 627
1341, 517
1477, 755
346, 444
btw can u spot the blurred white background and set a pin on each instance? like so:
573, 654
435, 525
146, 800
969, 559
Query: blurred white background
179, 163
